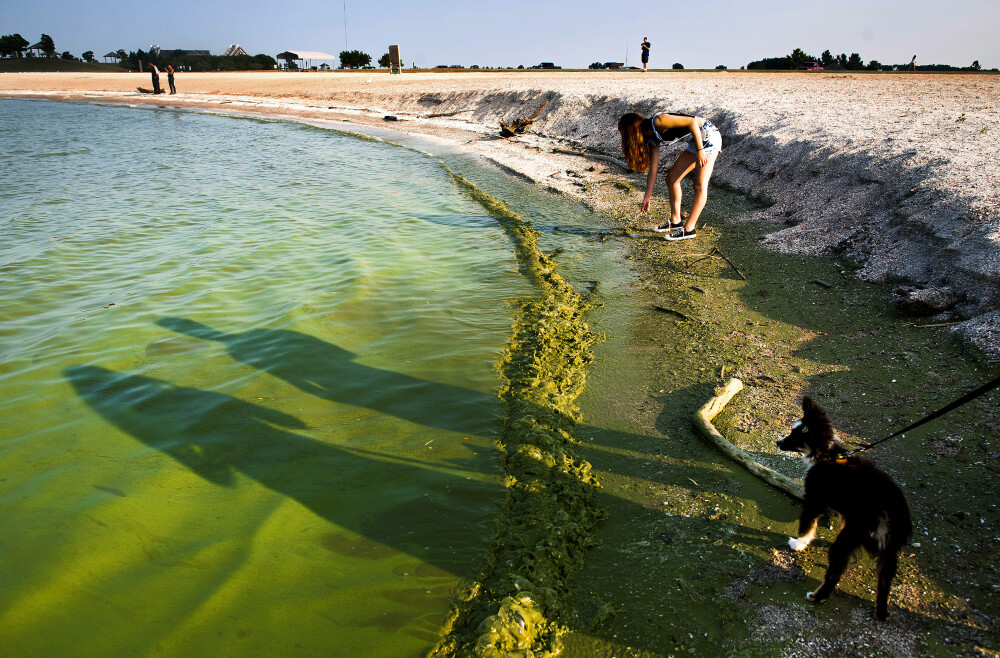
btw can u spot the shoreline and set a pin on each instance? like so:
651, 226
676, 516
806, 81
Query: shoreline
896, 172
542, 159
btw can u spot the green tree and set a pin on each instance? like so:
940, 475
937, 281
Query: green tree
678, 66
384, 61
798, 58
842, 60
13, 45
354, 59
47, 45
854, 62
68, 55
88, 56
826, 59
721, 67
597, 65
874, 65
266, 62
975, 66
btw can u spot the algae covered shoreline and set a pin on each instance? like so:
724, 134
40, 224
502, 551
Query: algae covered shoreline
690, 556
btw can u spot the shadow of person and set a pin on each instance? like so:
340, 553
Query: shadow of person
331, 373
218, 436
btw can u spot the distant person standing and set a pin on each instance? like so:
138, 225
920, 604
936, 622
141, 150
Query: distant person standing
913, 63
154, 73
645, 45
170, 79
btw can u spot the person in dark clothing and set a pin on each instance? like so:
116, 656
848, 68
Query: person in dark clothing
170, 79
646, 45
155, 75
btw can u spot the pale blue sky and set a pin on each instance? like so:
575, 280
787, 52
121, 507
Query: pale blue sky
573, 34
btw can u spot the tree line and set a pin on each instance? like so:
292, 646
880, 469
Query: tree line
828, 60
184, 60
15, 46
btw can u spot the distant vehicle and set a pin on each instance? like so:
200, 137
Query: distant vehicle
810, 66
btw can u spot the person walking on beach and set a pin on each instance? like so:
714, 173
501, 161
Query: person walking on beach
641, 139
155, 75
170, 79
645, 45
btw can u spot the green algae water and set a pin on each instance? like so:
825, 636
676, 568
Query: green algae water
248, 378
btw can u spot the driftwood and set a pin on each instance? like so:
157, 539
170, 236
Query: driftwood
517, 126
444, 114
703, 422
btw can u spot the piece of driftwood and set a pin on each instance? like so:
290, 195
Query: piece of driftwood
726, 258
435, 115
518, 126
703, 422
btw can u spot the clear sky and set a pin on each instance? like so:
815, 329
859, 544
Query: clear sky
697, 34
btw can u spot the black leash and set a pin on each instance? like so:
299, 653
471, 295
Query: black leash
985, 388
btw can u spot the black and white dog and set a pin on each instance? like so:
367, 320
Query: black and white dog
872, 508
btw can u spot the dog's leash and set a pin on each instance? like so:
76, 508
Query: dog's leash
982, 390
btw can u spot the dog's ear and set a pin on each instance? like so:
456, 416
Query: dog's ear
812, 410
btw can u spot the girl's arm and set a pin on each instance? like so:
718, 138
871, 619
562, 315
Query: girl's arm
653, 165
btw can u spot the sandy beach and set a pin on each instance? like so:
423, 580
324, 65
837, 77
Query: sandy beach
897, 171
891, 178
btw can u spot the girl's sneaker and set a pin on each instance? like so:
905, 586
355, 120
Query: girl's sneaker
668, 227
681, 234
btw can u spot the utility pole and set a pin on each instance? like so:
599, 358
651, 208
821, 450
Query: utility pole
345, 24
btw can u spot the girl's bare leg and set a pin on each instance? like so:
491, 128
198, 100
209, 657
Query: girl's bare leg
700, 184
685, 163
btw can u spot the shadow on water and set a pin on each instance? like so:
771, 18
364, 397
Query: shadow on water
330, 372
218, 436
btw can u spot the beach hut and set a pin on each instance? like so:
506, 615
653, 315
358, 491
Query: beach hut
113, 57
307, 57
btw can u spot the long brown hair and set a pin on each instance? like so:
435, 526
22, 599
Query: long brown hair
635, 146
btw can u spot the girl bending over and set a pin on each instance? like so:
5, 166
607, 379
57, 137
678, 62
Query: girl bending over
641, 139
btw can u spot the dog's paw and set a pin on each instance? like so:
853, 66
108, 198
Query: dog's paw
797, 544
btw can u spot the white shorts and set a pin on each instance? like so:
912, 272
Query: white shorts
711, 139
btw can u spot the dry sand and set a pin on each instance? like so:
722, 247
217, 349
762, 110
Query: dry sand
898, 171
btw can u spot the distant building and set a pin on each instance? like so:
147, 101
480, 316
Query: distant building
234, 50
112, 56
546, 65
